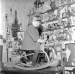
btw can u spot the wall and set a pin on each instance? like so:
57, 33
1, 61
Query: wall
22, 7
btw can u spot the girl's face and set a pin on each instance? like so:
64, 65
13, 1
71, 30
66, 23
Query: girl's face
35, 23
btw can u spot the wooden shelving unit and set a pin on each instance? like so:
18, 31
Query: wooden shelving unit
53, 29
71, 3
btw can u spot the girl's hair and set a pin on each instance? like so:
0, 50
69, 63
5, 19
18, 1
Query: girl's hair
40, 28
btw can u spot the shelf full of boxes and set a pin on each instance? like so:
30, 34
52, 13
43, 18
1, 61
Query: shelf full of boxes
58, 21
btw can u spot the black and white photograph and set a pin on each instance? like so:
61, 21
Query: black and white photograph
37, 36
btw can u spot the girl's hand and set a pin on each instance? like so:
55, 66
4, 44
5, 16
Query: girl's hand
40, 40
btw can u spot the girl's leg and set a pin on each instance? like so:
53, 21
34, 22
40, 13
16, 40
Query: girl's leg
36, 52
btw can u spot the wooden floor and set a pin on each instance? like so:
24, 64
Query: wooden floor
30, 72
26, 72
44, 71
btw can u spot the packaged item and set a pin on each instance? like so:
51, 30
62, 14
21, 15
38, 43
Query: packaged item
64, 11
21, 35
57, 3
51, 16
54, 14
45, 26
52, 4
73, 9
72, 20
73, 33
72, 0
69, 1
45, 17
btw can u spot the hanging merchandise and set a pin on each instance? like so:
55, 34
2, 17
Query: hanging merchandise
21, 35
72, 0
50, 16
45, 7
57, 3
63, 23
10, 53
63, 12
69, 22
37, 3
16, 45
64, 2
55, 14
73, 20
73, 9
69, 1
52, 4
73, 14
68, 36
73, 62
45, 26
73, 33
